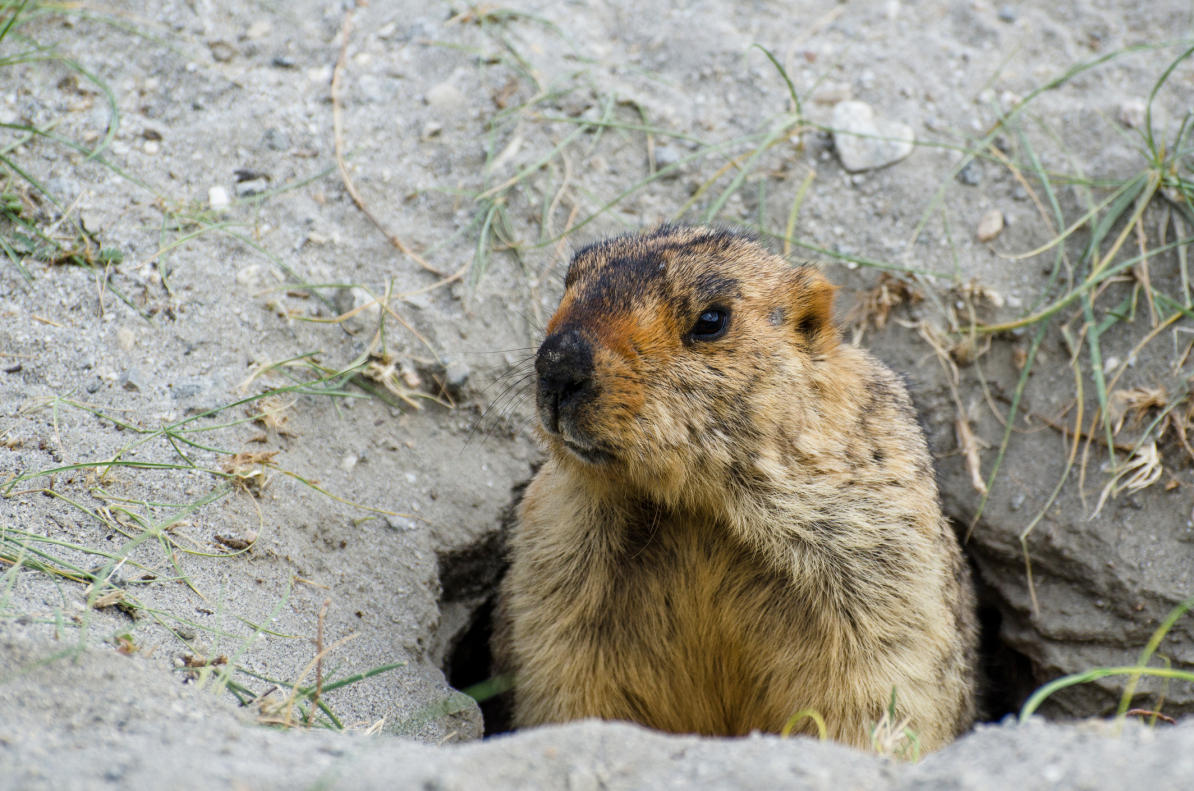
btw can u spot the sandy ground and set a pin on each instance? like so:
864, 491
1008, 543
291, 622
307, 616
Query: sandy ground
190, 480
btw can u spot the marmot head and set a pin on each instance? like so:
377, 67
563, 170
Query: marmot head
666, 349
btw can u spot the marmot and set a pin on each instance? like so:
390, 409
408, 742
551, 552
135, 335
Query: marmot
737, 520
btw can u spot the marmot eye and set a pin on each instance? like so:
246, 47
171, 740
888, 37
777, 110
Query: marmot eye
711, 325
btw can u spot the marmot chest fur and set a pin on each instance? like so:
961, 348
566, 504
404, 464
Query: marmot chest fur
738, 519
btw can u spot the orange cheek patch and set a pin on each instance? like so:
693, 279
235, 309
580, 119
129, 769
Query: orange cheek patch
619, 385
616, 333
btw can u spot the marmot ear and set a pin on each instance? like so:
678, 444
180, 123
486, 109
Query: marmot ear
810, 302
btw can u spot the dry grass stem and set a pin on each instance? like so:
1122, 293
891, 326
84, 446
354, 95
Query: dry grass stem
876, 304
968, 444
1133, 404
1142, 469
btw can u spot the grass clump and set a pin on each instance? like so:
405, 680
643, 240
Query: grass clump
1134, 673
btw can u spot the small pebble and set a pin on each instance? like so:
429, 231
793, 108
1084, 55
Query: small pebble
444, 96
368, 310
259, 29
410, 377
250, 187
990, 226
187, 388
133, 379
283, 62
418, 301
222, 51
250, 276
666, 156
972, 174
832, 93
1007, 13
217, 198
456, 374
275, 139
1132, 113
126, 338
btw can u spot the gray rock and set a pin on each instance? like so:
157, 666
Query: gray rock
1099, 586
418, 301
275, 139
865, 141
221, 51
971, 174
1007, 13
150, 730
183, 389
665, 157
133, 379
456, 373
367, 314
62, 188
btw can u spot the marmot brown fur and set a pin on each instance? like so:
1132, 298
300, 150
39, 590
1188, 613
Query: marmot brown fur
738, 518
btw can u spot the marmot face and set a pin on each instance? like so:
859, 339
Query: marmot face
663, 347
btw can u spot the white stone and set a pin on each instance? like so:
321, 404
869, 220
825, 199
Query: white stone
259, 29
217, 198
445, 96
865, 141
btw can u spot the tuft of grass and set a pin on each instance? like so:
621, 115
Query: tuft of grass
35, 225
1133, 672
892, 737
1074, 300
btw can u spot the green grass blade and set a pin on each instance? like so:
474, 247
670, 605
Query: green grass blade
1041, 695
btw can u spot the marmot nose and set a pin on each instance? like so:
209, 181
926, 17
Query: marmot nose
565, 367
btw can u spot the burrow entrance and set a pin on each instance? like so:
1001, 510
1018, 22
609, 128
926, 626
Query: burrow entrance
469, 578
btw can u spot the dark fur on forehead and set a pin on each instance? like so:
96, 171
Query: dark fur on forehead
636, 257
718, 239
